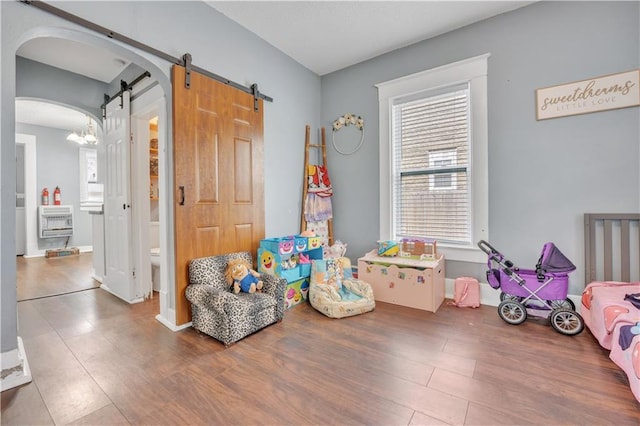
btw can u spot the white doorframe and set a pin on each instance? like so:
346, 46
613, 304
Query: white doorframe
151, 104
30, 194
140, 204
162, 77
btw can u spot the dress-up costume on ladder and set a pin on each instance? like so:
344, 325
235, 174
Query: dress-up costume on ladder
316, 212
318, 203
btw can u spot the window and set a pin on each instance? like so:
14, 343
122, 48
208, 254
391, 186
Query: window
429, 181
433, 151
441, 163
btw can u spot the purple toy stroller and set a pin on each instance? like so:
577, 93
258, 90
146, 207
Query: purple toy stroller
541, 292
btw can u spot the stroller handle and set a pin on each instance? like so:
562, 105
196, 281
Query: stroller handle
486, 247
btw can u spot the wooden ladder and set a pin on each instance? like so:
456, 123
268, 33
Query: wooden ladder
305, 183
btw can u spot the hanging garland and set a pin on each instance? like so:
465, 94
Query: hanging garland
347, 120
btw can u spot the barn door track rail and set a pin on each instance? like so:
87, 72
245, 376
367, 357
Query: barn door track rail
124, 87
184, 61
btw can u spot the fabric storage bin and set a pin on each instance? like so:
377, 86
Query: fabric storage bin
305, 269
296, 292
283, 246
313, 243
300, 244
290, 275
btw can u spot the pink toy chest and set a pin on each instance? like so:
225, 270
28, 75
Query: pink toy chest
402, 281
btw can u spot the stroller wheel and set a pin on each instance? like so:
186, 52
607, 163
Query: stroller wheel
505, 296
562, 304
512, 312
567, 322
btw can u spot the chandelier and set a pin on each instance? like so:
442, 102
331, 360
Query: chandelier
84, 138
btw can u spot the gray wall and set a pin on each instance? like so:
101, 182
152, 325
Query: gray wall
227, 49
58, 164
57, 159
543, 175
216, 44
37, 80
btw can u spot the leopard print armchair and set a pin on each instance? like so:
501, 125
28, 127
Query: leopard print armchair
224, 315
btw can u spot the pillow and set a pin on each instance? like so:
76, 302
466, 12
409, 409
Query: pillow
327, 271
345, 263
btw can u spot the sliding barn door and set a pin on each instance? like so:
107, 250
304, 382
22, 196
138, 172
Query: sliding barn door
218, 170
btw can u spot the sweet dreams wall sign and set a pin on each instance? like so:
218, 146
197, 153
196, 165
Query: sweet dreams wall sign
612, 91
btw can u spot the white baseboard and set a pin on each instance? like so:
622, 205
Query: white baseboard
15, 368
42, 253
170, 326
131, 302
491, 297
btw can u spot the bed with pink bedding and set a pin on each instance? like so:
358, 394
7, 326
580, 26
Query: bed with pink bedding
615, 323
611, 309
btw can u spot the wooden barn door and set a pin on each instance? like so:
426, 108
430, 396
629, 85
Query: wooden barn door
218, 174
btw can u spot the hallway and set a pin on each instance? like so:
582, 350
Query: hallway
39, 277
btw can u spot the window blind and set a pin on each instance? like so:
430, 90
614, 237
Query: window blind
430, 166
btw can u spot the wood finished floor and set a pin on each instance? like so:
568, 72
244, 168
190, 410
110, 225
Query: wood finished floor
42, 277
97, 360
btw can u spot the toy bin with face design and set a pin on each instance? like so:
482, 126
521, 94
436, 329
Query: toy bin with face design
284, 257
282, 246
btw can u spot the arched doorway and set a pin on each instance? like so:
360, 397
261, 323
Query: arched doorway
46, 114
161, 103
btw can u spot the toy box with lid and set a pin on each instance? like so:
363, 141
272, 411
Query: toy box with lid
404, 281
290, 258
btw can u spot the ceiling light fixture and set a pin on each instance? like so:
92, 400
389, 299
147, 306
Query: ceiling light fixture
84, 138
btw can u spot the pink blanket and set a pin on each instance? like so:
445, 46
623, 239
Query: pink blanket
615, 322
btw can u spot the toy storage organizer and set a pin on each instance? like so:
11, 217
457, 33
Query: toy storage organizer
275, 256
404, 281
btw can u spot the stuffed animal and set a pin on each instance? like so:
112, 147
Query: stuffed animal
242, 277
338, 249
308, 233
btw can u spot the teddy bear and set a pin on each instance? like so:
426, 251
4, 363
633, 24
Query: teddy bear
242, 277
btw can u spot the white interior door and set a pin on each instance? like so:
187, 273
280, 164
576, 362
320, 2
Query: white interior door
119, 278
31, 196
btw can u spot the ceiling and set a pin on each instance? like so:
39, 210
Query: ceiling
51, 115
326, 36
323, 36
91, 61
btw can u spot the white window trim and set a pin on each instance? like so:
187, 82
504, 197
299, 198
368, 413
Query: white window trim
473, 70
